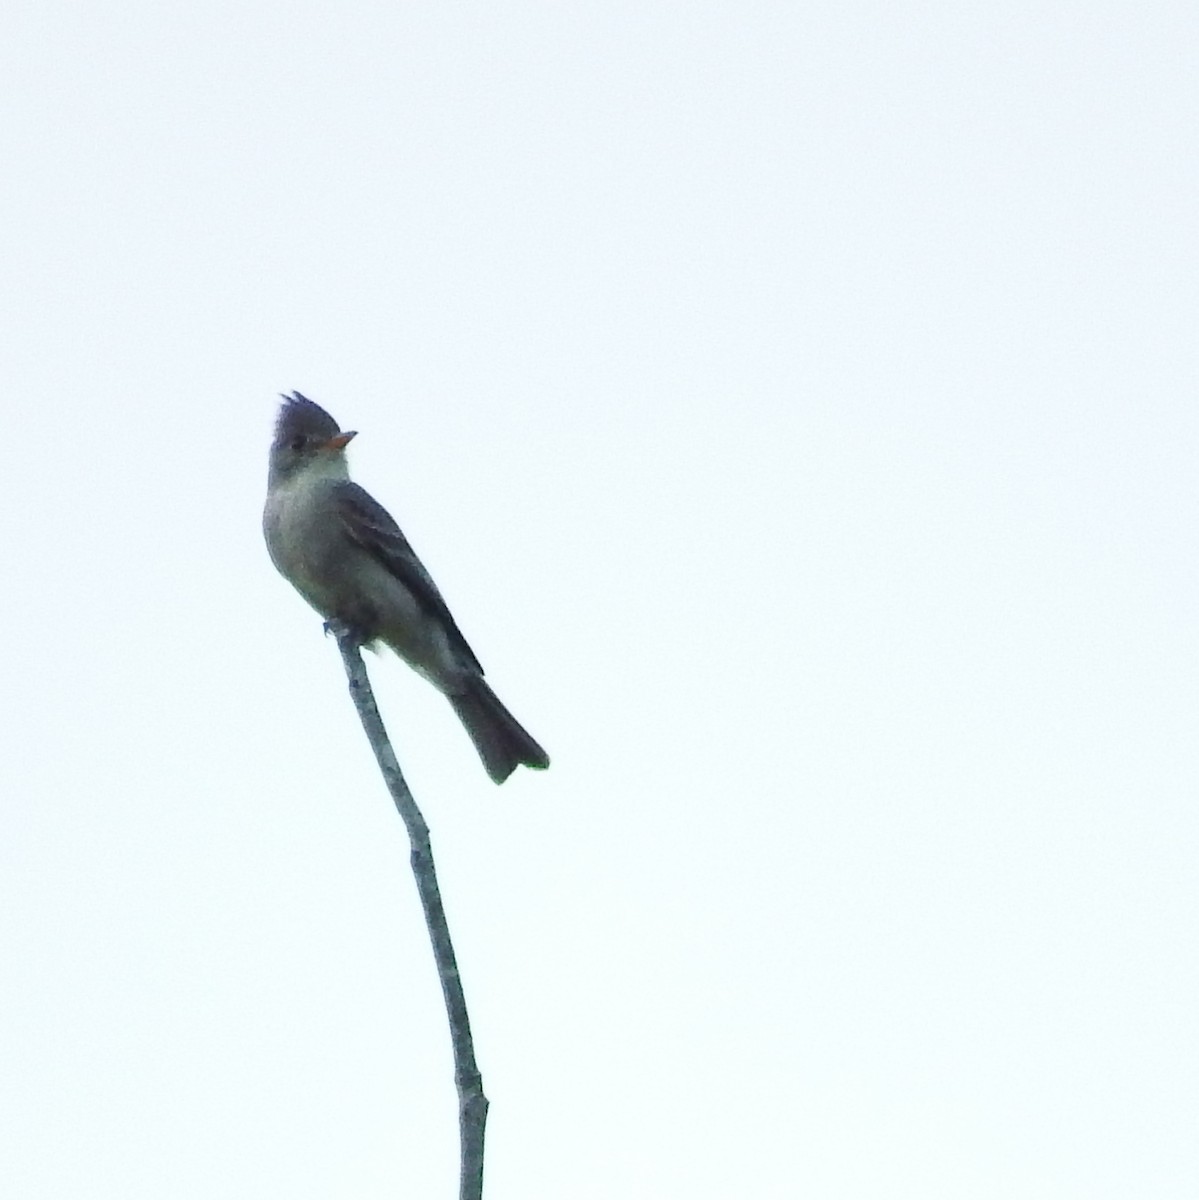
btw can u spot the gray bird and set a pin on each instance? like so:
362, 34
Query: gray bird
345, 555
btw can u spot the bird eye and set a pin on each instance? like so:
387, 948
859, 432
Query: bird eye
297, 443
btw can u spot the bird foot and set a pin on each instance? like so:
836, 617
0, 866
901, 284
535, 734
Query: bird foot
343, 631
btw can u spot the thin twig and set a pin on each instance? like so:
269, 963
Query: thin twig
472, 1103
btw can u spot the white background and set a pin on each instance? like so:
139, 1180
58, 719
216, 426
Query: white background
796, 404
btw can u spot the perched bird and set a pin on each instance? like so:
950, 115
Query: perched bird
346, 556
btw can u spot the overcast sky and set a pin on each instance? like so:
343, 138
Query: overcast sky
796, 405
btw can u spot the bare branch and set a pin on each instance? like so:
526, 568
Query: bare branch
472, 1103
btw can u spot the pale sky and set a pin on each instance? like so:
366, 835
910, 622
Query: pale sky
796, 405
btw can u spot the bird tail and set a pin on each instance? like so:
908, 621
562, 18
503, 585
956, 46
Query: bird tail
502, 742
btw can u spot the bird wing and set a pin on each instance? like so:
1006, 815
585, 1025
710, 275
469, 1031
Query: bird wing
369, 524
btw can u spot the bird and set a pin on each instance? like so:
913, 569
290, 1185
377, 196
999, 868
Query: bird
346, 556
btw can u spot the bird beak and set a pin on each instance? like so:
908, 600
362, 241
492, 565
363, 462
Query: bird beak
342, 440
